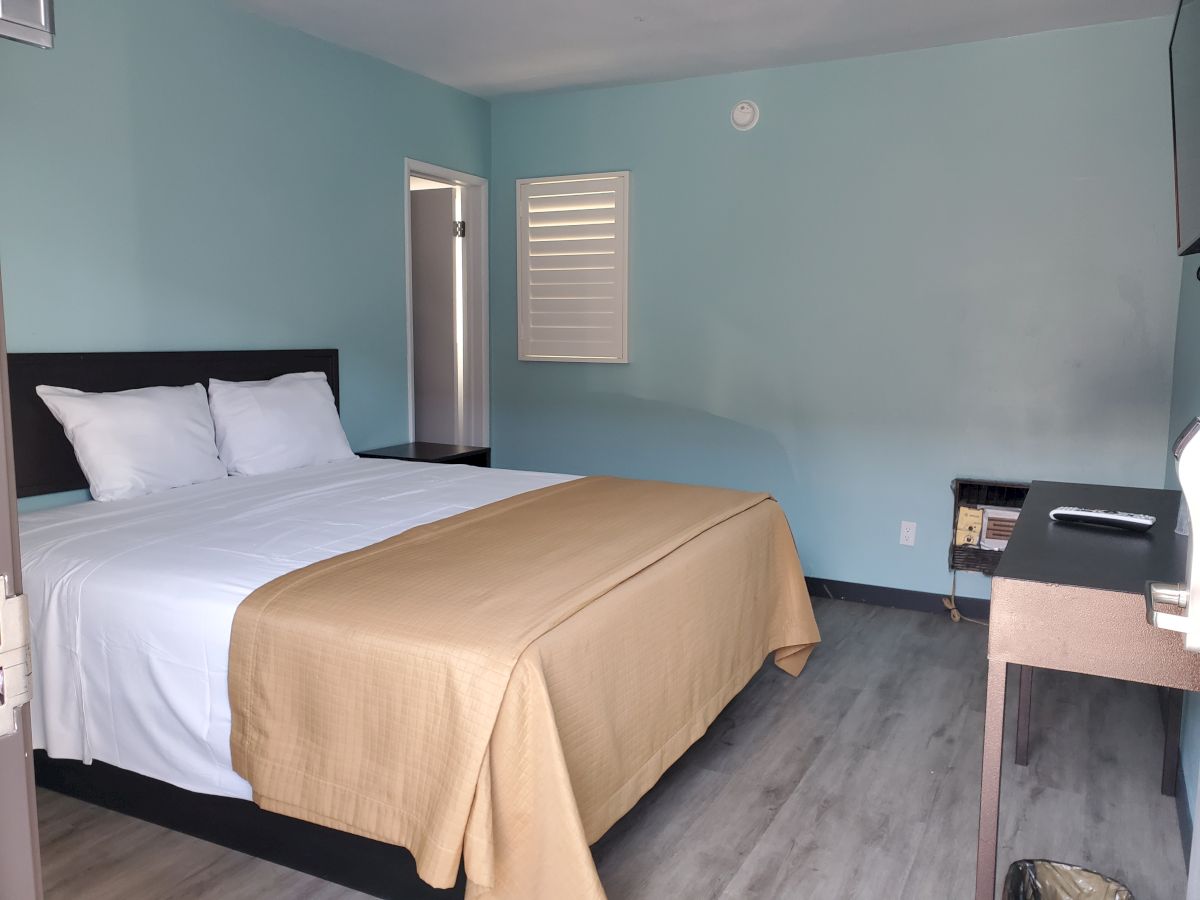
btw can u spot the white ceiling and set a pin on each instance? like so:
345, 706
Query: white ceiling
417, 183
493, 47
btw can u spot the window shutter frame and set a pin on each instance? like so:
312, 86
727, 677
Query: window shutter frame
535, 340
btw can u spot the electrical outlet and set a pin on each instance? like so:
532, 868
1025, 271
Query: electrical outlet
908, 534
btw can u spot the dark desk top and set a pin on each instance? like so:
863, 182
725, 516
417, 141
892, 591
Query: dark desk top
1087, 556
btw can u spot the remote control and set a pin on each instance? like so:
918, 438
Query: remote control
1110, 517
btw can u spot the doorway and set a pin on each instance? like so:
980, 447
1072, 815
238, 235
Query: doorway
447, 305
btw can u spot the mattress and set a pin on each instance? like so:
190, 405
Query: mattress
132, 601
507, 683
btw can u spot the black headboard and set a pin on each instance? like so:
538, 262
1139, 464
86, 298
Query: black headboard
44, 460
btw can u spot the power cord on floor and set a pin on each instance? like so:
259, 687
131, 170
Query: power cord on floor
950, 604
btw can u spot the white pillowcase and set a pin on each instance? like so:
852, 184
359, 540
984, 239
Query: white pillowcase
141, 441
269, 426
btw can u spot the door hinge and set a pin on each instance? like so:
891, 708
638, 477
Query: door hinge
16, 675
460, 229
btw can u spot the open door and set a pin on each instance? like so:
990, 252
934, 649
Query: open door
437, 358
446, 262
20, 861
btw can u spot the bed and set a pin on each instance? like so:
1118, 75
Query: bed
134, 602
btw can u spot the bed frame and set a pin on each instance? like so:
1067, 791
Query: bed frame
42, 455
45, 464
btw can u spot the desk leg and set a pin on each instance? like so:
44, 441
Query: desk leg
989, 794
1171, 741
1024, 701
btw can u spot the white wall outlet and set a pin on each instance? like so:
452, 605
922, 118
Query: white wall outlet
908, 534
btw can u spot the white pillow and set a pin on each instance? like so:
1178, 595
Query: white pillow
269, 426
136, 442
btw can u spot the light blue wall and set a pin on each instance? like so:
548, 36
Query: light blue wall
1185, 405
179, 174
817, 306
949, 262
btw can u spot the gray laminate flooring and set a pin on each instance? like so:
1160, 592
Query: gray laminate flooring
860, 779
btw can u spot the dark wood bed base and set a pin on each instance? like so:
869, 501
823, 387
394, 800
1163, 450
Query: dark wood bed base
372, 867
45, 464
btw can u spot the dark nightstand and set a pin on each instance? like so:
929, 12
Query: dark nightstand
424, 451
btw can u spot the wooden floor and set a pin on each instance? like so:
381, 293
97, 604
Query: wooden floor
858, 779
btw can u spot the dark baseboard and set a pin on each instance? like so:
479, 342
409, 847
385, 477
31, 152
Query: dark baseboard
1185, 816
896, 598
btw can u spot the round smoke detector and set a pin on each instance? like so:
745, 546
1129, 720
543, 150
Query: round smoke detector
744, 115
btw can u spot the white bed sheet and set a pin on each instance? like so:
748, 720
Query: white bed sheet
132, 601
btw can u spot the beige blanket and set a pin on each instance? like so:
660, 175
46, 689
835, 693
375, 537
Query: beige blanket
506, 683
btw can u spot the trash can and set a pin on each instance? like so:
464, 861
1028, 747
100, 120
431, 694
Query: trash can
1043, 879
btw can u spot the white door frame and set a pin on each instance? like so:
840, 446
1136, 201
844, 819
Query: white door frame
20, 856
476, 413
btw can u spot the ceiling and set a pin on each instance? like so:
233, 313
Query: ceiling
417, 183
494, 47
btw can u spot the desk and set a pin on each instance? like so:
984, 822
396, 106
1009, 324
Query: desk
1070, 597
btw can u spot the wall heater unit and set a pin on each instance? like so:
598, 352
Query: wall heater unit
984, 515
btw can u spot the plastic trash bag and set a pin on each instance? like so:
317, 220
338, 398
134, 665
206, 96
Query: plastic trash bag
1042, 879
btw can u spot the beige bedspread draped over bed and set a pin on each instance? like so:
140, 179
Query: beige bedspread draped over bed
501, 686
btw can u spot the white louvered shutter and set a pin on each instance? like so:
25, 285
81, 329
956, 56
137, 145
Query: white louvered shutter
573, 268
